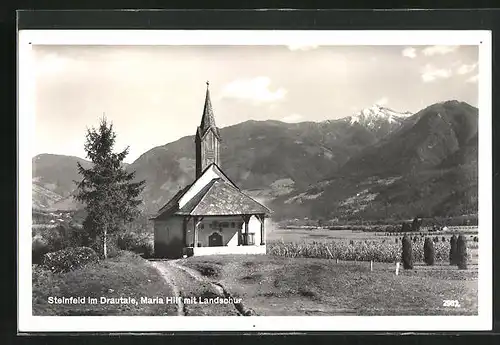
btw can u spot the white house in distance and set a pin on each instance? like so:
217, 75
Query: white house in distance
211, 215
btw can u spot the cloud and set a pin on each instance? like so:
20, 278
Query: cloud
409, 52
256, 90
292, 118
430, 73
466, 69
439, 50
51, 63
303, 47
473, 79
382, 101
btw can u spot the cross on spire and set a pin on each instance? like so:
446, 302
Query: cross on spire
207, 119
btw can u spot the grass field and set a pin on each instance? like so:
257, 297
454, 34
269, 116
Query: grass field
126, 275
299, 286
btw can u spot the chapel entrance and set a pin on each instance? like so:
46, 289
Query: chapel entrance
215, 240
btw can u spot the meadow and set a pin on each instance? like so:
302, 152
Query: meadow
305, 272
124, 275
275, 285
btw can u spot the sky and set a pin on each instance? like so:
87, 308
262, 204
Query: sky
154, 95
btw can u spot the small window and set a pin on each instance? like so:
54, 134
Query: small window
232, 224
202, 226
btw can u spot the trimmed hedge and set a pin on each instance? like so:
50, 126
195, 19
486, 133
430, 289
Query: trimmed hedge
69, 259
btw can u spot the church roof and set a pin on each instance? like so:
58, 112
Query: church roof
207, 119
219, 198
172, 203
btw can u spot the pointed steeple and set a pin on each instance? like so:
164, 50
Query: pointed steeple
207, 139
207, 120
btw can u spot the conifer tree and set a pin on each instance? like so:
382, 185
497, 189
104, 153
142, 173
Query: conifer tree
407, 253
429, 252
107, 189
453, 250
462, 252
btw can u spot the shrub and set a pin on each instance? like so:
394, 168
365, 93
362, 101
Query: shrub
443, 239
453, 250
407, 253
137, 243
39, 248
53, 239
39, 275
66, 260
405, 227
429, 252
462, 252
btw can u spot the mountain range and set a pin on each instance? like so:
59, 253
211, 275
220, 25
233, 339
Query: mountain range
376, 163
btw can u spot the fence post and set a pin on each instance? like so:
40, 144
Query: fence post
337, 260
329, 252
397, 268
371, 265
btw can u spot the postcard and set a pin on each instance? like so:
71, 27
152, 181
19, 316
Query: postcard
303, 180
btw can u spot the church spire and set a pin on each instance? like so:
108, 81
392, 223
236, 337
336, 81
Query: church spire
207, 139
207, 120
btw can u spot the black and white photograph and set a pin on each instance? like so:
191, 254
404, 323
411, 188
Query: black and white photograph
327, 177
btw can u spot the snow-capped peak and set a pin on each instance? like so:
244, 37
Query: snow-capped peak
373, 116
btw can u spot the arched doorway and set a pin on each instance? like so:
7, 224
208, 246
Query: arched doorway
215, 240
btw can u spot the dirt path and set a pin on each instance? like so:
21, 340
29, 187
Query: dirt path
167, 275
193, 289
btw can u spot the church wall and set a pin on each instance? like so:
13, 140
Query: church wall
168, 241
254, 226
223, 226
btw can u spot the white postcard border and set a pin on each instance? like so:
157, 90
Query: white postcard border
26, 125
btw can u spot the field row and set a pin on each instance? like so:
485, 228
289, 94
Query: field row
357, 250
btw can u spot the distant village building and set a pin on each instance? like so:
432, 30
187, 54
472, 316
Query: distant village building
211, 215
